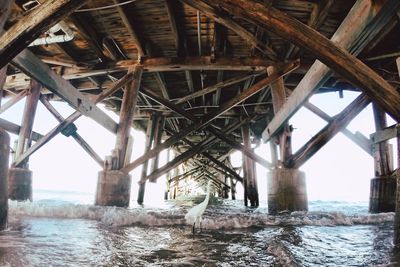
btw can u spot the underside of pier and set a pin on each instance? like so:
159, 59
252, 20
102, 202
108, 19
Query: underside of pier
202, 79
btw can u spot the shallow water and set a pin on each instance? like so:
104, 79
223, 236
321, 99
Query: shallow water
60, 233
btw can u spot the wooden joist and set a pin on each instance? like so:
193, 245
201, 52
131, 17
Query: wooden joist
353, 29
385, 134
225, 20
328, 132
32, 25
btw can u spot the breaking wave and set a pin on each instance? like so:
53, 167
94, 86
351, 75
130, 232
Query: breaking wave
215, 217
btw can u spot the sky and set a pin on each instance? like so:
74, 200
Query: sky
339, 171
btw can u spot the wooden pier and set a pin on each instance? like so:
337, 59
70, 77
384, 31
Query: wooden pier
202, 79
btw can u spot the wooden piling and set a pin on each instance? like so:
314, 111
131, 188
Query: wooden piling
396, 237
4, 155
249, 171
383, 185
20, 177
151, 127
114, 186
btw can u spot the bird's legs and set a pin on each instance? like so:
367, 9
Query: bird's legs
193, 228
201, 229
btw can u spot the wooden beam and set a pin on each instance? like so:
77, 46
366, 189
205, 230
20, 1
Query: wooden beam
199, 148
398, 65
169, 5
350, 35
126, 116
202, 63
36, 69
83, 22
249, 176
215, 87
5, 10
158, 131
359, 139
131, 30
15, 129
28, 118
225, 20
79, 139
328, 132
382, 152
13, 101
385, 134
207, 119
32, 25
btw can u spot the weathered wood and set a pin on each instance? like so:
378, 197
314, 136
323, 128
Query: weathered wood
249, 175
211, 129
13, 100
151, 125
398, 65
4, 158
132, 32
126, 115
278, 94
396, 227
198, 63
24, 137
328, 132
79, 139
5, 10
214, 87
382, 153
158, 131
83, 23
74, 116
202, 146
359, 139
26, 30
327, 52
35, 68
15, 129
171, 17
225, 20
207, 119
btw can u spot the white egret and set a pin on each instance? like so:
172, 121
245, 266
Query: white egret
194, 215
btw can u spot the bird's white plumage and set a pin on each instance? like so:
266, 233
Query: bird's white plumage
193, 216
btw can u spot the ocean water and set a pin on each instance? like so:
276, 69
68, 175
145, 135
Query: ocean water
63, 229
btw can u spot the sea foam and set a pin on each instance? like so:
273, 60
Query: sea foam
214, 218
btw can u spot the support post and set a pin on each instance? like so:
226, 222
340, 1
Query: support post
286, 186
250, 180
149, 141
158, 131
114, 186
20, 177
4, 155
383, 185
396, 238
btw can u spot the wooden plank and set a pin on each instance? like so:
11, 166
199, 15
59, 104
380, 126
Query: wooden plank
126, 115
79, 139
328, 132
342, 62
225, 20
36, 69
131, 30
32, 25
28, 118
15, 129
